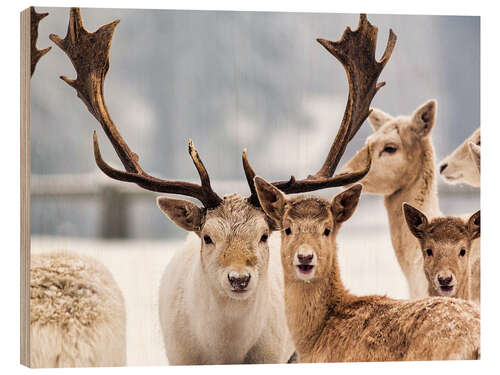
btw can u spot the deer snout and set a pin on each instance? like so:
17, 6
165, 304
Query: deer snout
442, 167
305, 259
238, 281
445, 283
445, 280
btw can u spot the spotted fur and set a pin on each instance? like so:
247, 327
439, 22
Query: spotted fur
329, 324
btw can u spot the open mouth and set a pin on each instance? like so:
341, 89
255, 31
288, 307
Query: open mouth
305, 268
446, 288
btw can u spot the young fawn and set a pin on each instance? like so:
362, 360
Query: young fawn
403, 170
327, 323
446, 246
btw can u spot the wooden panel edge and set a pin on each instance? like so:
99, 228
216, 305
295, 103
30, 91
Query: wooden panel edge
25, 170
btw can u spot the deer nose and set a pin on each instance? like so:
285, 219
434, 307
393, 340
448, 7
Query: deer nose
305, 259
442, 167
238, 281
445, 280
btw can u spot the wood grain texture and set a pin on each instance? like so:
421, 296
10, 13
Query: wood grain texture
25, 75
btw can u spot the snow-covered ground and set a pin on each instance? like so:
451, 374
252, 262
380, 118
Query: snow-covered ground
367, 262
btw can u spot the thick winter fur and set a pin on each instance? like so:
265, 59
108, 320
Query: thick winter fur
77, 313
446, 249
402, 169
461, 166
328, 324
204, 321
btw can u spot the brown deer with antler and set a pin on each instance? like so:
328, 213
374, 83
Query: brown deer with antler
327, 323
221, 296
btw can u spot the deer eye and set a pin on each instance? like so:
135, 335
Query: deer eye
264, 238
429, 252
326, 232
390, 149
207, 239
288, 231
462, 252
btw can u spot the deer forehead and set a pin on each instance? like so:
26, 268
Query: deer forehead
235, 217
447, 232
235, 210
476, 136
228, 229
462, 151
389, 132
308, 209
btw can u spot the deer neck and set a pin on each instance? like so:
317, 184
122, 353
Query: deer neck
308, 306
420, 192
464, 291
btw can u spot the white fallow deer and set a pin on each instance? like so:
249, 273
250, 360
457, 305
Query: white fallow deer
462, 165
327, 323
446, 247
221, 296
403, 170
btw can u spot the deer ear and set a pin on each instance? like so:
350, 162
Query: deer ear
377, 118
271, 199
416, 220
185, 214
344, 204
423, 118
474, 225
475, 153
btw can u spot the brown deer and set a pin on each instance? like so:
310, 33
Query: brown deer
327, 323
403, 170
209, 316
446, 243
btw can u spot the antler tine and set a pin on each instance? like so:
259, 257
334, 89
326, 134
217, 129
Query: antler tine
36, 54
89, 53
356, 52
250, 175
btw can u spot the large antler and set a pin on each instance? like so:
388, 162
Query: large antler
356, 52
36, 54
89, 53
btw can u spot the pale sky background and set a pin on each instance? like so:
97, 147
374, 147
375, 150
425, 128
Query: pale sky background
231, 80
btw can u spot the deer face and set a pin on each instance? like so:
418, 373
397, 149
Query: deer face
396, 149
234, 246
460, 166
309, 226
446, 246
